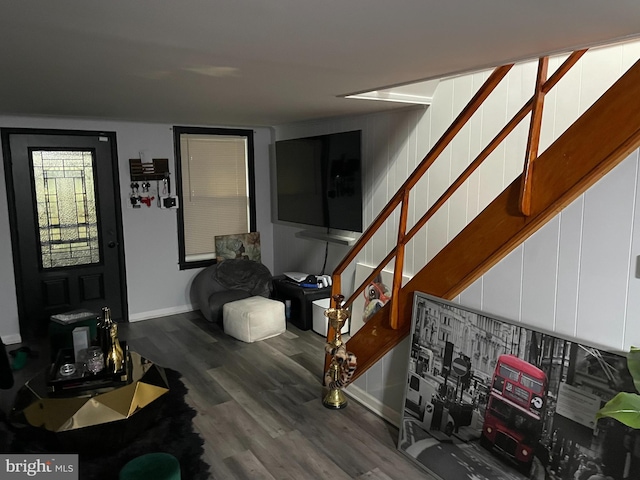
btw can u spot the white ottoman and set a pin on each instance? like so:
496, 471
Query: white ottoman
253, 319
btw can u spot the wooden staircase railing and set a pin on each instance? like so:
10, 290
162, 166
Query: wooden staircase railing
402, 197
541, 89
392, 323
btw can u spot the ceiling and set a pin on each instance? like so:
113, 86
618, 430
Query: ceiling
259, 63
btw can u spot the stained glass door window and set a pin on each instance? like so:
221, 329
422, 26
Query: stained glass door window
66, 207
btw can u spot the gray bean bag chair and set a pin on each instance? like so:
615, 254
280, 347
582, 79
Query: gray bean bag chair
227, 281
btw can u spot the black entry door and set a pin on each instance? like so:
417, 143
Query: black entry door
65, 224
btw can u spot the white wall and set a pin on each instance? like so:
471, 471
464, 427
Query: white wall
573, 277
155, 284
576, 276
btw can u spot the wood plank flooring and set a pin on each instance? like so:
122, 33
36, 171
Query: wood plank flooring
260, 406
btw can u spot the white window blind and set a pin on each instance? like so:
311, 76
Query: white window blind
215, 199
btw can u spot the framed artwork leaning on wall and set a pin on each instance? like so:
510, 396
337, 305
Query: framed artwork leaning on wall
486, 398
241, 245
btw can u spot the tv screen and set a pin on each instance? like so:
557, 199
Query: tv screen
319, 181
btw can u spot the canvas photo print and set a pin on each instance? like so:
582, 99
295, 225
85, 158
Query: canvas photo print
241, 245
488, 399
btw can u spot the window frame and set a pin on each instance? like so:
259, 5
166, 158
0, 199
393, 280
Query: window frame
251, 180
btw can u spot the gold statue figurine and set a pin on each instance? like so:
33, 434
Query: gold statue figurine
343, 363
115, 358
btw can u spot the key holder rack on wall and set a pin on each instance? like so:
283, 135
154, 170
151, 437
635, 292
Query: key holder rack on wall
142, 173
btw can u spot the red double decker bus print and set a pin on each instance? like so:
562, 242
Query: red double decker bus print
514, 416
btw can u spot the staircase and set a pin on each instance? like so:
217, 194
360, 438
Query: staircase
599, 140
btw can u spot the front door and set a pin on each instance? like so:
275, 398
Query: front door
66, 230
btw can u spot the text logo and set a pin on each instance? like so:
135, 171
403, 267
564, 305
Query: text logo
39, 466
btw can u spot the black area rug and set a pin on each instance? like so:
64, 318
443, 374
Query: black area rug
163, 426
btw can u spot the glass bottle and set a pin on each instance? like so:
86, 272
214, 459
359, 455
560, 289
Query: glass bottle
115, 358
104, 331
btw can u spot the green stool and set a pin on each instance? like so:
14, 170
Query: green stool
156, 466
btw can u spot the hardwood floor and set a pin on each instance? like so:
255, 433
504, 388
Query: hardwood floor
260, 406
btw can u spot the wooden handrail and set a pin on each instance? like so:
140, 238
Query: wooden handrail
562, 70
533, 139
369, 279
494, 143
473, 166
543, 86
401, 198
602, 137
465, 115
478, 99
399, 265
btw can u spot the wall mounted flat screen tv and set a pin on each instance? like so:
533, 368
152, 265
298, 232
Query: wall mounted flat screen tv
319, 181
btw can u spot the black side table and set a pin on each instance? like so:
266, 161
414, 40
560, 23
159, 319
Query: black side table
301, 300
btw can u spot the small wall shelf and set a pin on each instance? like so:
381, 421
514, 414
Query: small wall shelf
156, 170
326, 237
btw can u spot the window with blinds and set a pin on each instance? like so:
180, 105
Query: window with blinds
215, 167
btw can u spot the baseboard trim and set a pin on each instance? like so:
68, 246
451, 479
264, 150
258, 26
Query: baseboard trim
163, 312
373, 404
11, 339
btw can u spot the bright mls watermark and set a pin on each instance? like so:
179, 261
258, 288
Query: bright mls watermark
50, 466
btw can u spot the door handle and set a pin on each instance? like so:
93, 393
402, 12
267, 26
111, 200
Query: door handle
112, 244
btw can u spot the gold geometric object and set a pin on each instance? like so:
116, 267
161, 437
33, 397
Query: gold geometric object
335, 398
59, 414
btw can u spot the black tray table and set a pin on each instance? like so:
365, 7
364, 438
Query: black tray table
81, 381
